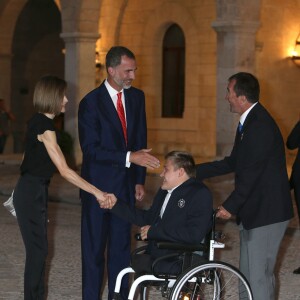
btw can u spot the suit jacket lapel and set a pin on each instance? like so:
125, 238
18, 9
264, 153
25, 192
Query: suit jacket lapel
129, 114
156, 212
110, 110
251, 115
176, 196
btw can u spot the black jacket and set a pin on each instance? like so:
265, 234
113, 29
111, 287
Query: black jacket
261, 195
293, 142
186, 219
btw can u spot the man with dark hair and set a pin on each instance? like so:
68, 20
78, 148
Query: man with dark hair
261, 199
113, 139
181, 212
114, 56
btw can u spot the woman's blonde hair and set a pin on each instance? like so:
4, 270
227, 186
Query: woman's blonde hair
48, 94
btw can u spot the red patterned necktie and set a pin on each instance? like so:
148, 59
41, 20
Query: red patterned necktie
121, 113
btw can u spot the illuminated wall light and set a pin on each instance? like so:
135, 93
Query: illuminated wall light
295, 53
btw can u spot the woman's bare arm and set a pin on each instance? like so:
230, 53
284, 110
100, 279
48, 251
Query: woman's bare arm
56, 155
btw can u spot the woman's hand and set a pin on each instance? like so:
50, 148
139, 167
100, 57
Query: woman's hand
100, 196
107, 201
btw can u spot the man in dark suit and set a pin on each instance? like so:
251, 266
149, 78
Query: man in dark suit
181, 212
113, 138
261, 199
293, 142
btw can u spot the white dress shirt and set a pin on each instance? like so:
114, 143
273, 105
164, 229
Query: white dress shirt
114, 97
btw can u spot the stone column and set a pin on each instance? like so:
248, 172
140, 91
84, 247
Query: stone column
80, 76
236, 26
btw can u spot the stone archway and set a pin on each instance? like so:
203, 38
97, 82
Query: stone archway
10, 12
37, 50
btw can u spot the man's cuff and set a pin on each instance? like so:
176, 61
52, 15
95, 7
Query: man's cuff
128, 163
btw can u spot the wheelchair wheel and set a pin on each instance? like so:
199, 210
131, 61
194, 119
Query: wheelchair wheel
145, 293
211, 281
148, 292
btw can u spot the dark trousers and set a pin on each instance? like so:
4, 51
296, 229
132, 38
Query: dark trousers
142, 264
297, 200
30, 201
2, 142
102, 230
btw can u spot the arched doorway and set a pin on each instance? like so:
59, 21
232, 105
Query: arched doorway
37, 50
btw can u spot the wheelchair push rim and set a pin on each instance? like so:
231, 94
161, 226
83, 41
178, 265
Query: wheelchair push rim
211, 281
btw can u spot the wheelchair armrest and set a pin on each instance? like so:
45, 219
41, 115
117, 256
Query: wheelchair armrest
138, 250
182, 247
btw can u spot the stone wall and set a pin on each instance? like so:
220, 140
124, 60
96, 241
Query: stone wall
142, 28
222, 37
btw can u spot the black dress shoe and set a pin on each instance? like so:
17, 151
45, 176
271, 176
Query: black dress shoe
297, 271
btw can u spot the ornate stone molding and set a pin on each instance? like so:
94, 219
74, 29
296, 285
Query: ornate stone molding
236, 26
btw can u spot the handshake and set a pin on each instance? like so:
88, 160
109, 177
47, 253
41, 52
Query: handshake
107, 201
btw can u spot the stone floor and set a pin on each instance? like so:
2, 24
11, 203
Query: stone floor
64, 265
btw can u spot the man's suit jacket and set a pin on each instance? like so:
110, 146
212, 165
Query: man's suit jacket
103, 144
293, 142
261, 195
186, 219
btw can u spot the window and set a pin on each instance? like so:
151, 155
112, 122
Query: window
173, 73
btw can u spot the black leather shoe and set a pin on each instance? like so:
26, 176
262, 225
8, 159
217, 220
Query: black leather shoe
297, 271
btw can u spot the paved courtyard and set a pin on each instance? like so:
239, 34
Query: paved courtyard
64, 265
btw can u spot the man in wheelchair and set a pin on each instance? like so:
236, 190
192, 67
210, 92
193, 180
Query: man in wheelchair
181, 212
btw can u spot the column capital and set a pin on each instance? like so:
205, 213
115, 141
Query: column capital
72, 37
235, 26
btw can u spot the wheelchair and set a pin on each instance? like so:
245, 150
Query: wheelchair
209, 280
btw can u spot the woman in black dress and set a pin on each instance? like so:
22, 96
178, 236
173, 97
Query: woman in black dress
42, 156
